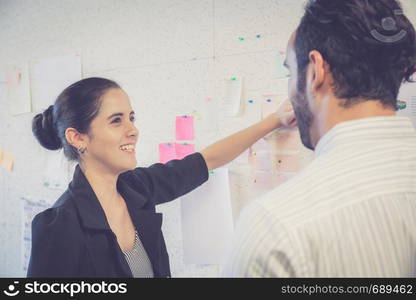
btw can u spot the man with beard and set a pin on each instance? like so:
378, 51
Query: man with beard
352, 211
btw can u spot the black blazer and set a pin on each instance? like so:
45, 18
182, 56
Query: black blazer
73, 238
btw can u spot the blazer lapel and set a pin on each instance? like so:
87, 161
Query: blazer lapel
147, 222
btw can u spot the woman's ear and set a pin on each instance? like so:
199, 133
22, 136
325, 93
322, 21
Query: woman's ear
76, 139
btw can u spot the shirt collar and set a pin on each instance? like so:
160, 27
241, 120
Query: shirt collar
88, 205
376, 128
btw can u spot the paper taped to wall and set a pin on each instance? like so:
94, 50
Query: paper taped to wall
207, 222
232, 96
18, 88
49, 77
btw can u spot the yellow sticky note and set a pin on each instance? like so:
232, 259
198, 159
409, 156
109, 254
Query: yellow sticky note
6, 160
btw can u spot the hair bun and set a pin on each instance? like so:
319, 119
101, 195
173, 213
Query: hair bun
43, 128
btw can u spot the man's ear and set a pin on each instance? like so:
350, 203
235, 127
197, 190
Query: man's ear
76, 139
316, 70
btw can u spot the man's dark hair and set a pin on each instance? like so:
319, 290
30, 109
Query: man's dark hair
369, 45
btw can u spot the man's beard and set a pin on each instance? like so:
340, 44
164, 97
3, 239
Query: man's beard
303, 114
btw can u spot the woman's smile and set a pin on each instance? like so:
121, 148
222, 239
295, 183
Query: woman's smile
128, 148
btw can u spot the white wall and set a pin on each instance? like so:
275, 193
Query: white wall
169, 56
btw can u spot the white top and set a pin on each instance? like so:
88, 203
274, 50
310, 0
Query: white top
350, 213
138, 260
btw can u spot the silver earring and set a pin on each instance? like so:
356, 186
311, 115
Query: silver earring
81, 150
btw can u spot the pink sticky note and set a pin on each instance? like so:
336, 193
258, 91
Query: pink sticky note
262, 161
263, 180
7, 160
184, 128
243, 158
288, 140
281, 177
166, 152
260, 145
287, 163
183, 150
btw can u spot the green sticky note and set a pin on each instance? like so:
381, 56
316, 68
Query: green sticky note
401, 105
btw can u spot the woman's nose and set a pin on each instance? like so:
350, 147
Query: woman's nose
133, 131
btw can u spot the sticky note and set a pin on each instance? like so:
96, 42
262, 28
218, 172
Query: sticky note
287, 162
407, 94
183, 150
184, 128
288, 140
285, 139
167, 152
262, 161
263, 180
281, 177
196, 115
269, 105
7, 160
18, 87
401, 104
260, 145
243, 158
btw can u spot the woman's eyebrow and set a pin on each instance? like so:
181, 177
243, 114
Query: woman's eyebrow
119, 114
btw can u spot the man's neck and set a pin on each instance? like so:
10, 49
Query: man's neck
334, 114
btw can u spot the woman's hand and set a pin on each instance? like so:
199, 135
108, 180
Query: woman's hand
283, 117
286, 115
230, 147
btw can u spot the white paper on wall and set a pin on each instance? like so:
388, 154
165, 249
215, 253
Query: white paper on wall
49, 77
31, 207
207, 222
18, 89
232, 96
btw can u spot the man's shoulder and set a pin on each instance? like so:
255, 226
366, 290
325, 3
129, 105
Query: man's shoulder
302, 197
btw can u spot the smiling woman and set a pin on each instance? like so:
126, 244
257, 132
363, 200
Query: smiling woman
105, 224
109, 134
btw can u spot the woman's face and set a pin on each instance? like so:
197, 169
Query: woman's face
110, 132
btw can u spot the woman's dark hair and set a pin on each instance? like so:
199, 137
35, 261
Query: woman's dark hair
75, 107
369, 46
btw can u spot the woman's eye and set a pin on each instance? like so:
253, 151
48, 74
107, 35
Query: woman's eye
118, 120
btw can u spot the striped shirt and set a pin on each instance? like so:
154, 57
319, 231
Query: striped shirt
350, 213
138, 260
